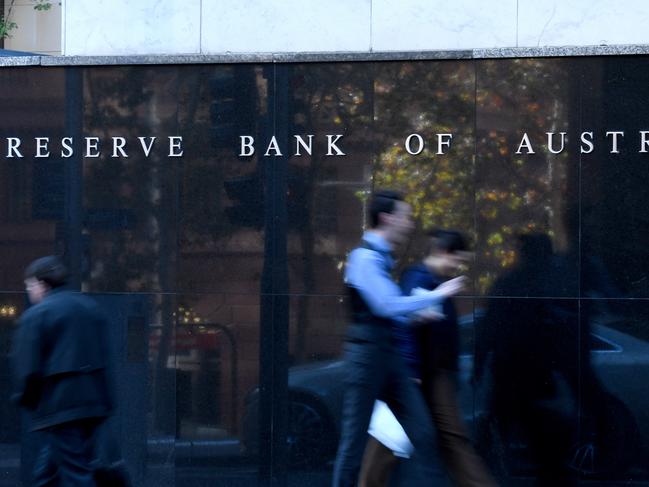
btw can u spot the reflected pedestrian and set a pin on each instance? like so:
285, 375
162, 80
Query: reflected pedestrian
374, 368
60, 362
532, 346
431, 351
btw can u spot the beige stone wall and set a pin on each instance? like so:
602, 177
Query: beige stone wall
38, 31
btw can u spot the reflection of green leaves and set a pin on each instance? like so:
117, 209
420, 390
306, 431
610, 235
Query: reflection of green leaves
115, 102
427, 99
495, 239
504, 194
362, 195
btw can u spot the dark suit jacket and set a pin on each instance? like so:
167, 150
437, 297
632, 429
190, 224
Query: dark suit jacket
433, 345
61, 361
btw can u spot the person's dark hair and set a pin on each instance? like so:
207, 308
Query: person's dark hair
383, 201
447, 241
50, 270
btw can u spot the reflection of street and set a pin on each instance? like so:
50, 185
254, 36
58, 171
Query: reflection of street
534, 348
242, 477
195, 477
619, 360
9, 464
529, 348
191, 462
206, 375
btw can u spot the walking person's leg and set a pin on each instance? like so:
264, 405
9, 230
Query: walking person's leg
465, 467
378, 464
405, 399
76, 446
365, 376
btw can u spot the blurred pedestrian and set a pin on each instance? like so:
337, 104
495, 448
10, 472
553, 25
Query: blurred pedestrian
431, 349
528, 345
60, 366
374, 368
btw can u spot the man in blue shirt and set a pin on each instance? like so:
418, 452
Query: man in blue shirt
374, 368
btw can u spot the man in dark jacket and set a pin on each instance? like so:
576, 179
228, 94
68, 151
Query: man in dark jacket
60, 361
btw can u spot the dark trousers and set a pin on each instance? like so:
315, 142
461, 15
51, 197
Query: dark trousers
378, 465
375, 371
464, 465
67, 454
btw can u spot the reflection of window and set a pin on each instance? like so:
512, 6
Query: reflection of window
37, 30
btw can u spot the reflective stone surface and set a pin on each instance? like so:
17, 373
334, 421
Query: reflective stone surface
221, 269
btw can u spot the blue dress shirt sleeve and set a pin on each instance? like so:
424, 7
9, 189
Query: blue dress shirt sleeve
367, 272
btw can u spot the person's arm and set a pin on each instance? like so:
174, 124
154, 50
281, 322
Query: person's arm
416, 280
26, 358
411, 279
366, 273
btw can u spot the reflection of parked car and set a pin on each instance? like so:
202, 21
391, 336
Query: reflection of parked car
620, 361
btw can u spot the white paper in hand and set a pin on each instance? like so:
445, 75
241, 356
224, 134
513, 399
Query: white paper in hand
387, 430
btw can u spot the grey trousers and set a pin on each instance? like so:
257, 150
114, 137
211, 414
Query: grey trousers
375, 371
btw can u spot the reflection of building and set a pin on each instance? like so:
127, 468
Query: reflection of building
27, 214
9, 426
255, 246
34, 26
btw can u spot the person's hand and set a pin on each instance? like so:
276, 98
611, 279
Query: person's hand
432, 313
452, 286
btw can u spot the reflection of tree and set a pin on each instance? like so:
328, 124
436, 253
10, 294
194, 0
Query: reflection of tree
208, 164
127, 103
510, 193
479, 187
327, 99
427, 99
521, 193
140, 254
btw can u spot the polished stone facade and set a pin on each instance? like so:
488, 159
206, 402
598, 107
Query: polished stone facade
222, 274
